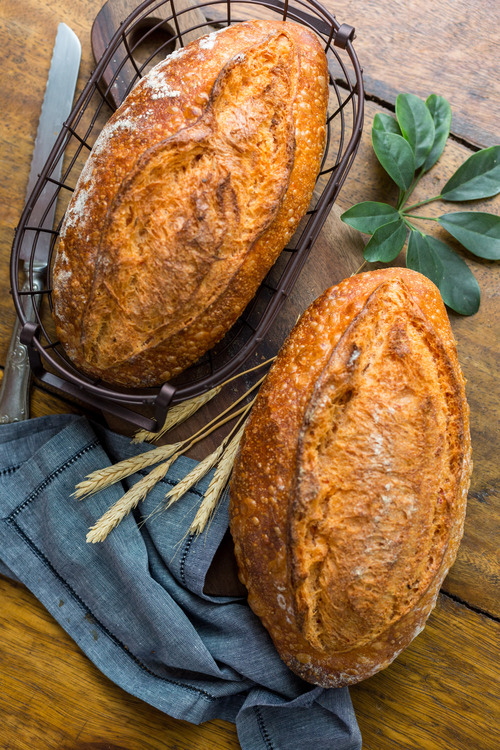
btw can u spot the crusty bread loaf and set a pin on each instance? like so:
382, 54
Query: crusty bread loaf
348, 494
192, 190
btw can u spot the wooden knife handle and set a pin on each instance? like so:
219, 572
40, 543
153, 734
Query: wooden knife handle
181, 24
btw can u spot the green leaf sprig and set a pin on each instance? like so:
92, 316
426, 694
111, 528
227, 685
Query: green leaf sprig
407, 146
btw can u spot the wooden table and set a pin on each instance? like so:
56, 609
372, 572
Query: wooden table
443, 692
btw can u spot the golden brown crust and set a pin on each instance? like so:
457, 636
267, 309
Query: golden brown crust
348, 494
191, 191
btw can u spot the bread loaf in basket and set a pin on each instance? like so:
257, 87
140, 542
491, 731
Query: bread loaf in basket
190, 193
349, 491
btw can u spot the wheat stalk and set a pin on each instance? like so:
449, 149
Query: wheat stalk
102, 478
176, 415
199, 471
215, 423
180, 412
130, 499
123, 506
185, 484
194, 476
128, 502
209, 461
216, 486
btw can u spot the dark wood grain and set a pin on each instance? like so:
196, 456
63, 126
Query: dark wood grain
449, 47
441, 693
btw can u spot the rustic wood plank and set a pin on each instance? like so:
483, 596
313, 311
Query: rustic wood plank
448, 48
439, 694
43, 403
53, 697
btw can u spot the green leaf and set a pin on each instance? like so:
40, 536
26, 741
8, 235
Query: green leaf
417, 125
396, 156
453, 277
369, 216
478, 232
386, 123
478, 177
386, 243
440, 111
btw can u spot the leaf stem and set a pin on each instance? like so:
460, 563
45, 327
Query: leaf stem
404, 198
422, 203
409, 224
423, 218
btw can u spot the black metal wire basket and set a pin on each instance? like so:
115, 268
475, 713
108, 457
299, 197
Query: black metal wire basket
153, 30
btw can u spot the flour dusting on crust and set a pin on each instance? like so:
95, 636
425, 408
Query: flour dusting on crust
156, 81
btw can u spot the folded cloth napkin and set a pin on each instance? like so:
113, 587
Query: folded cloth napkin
135, 603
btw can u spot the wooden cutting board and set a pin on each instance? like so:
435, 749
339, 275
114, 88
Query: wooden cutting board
160, 26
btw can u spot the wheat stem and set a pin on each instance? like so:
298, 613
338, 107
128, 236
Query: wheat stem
223, 413
201, 469
102, 478
204, 466
194, 476
251, 369
128, 502
181, 412
176, 415
364, 263
185, 484
217, 485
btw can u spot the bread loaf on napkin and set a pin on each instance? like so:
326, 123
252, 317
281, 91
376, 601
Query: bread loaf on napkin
192, 190
349, 491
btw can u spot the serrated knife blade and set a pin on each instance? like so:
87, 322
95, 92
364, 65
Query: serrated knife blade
56, 107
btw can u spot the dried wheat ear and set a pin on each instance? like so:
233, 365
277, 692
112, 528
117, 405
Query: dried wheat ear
162, 458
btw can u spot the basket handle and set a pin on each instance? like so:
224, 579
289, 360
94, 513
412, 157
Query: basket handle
183, 24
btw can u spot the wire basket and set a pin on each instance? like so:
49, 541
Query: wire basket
124, 54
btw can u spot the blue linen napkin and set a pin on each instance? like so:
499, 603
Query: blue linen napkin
135, 603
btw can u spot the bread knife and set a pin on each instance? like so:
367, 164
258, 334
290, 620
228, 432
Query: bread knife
56, 107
